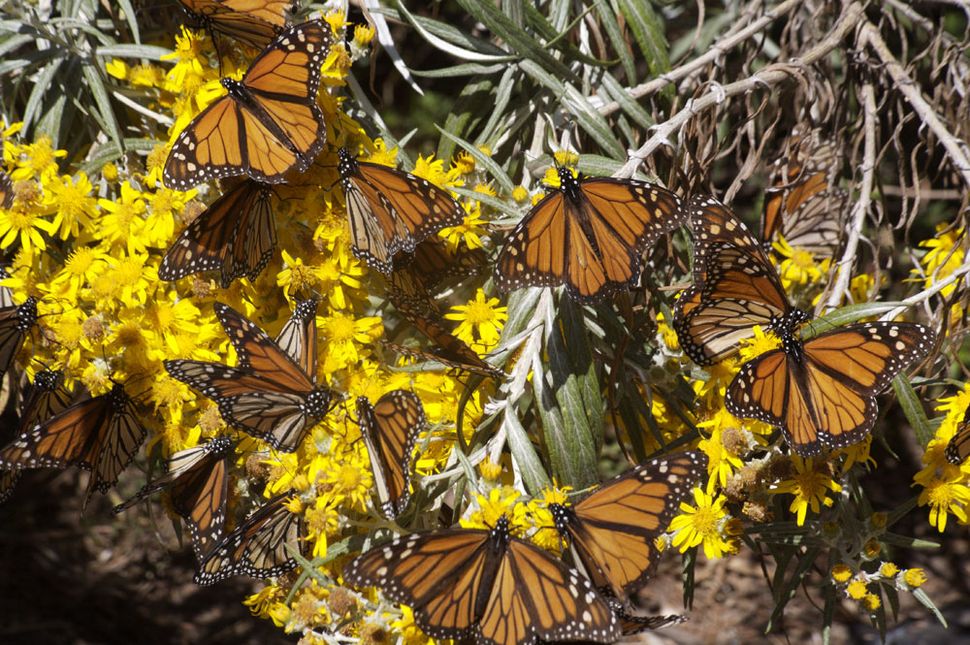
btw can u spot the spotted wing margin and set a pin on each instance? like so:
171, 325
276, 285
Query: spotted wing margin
249, 401
298, 337
958, 448
537, 597
830, 398
257, 547
8, 482
253, 24
68, 439
44, 400
617, 525
390, 428
281, 127
257, 351
235, 235
737, 293
15, 323
200, 498
445, 578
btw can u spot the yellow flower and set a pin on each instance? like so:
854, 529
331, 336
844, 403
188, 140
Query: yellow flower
914, 578
70, 200
566, 157
410, 633
480, 321
464, 163
946, 254
363, 35
704, 523
122, 221
27, 227
888, 570
841, 573
469, 232
798, 266
520, 194
760, 343
871, 602
857, 589
501, 501
945, 496
810, 486
490, 470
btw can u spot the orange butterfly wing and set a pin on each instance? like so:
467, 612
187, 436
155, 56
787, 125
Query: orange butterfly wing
822, 392
589, 236
267, 124
390, 429
251, 22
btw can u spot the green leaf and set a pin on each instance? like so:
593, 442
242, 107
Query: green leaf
648, 30
466, 114
100, 93
467, 69
527, 461
441, 44
912, 407
521, 42
127, 50
607, 16
845, 316
630, 107
924, 600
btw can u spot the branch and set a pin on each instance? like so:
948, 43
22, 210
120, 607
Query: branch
930, 291
770, 75
841, 283
716, 50
956, 149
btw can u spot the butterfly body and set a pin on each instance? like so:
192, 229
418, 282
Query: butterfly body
267, 124
198, 484
391, 212
612, 530
390, 429
588, 235
486, 585
267, 395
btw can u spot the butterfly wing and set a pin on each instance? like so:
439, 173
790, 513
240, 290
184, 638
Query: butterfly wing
435, 262
253, 23
267, 124
118, 440
588, 235
8, 482
15, 323
6, 190
236, 235
613, 530
46, 398
257, 547
735, 287
827, 397
390, 428
392, 211
958, 448
298, 338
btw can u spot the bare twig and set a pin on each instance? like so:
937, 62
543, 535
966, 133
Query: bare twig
956, 149
844, 272
930, 291
716, 50
768, 76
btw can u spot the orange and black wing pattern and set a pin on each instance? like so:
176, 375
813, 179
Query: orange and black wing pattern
487, 586
298, 338
613, 530
198, 484
803, 205
735, 287
822, 392
391, 211
589, 235
958, 448
267, 395
236, 236
16, 321
100, 434
435, 262
390, 429
258, 547
267, 124
253, 23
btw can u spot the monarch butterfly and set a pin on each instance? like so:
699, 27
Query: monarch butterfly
45, 398
391, 211
268, 123
298, 338
822, 392
6, 190
735, 287
15, 323
257, 547
390, 428
589, 235
251, 22
100, 434
612, 531
236, 236
958, 448
198, 479
803, 205
486, 585
267, 395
